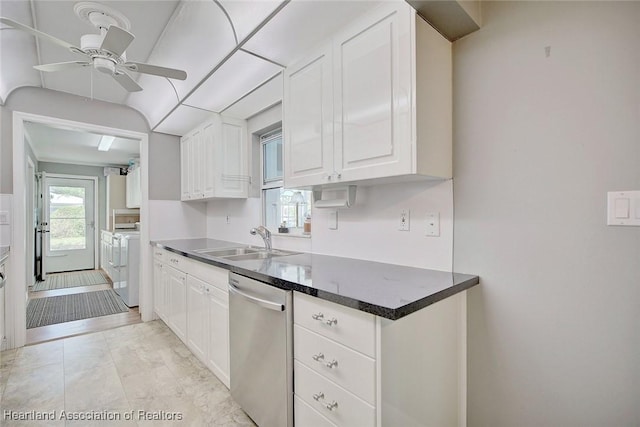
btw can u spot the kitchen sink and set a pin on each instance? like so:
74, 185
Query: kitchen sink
262, 254
224, 252
243, 253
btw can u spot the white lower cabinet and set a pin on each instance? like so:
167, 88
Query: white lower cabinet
177, 313
218, 334
192, 299
197, 319
355, 369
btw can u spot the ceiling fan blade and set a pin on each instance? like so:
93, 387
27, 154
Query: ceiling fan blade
60, 66
117, 40
127, 82
156, 70
40, 34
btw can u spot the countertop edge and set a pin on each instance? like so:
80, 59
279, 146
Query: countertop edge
377, 310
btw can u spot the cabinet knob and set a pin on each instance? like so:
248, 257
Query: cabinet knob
318, 396
318, 357
331, 322
329, 178
339, 176
332, 364
332, 405
317, 316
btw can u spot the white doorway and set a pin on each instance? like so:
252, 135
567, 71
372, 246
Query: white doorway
18, 258
69, 220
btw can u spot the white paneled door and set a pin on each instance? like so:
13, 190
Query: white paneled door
69, 223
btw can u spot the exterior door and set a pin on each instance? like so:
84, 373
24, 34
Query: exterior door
69, 211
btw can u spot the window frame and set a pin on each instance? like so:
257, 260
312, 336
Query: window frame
275, 184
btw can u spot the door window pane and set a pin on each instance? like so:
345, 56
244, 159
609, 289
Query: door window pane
67, 219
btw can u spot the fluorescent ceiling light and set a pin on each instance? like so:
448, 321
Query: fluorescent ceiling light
105, 142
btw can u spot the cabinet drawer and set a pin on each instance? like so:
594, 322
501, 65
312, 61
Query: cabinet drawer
350, 327
338, 405
219, 277
347, 368
176, 261
306, 416
159, 254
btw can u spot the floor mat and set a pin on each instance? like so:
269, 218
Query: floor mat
66, 308
72, 279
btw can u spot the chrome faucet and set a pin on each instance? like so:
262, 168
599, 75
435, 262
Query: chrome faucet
264, 233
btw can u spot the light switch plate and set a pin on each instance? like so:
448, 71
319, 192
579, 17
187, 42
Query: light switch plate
623, 208
333, 220
4, 217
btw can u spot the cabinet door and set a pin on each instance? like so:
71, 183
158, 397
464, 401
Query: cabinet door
185, 143
133, 195
308, 121
373, 95
197, 317
177, 306
196, 165
231, 149
159, 290
210, 133
218, 352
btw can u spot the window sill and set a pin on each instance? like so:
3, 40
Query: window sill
295, 235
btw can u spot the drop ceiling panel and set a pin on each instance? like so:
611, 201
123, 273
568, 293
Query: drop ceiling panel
302, 25
238, 76
247, 15
182, 120
196, 39
78, 147
263, 97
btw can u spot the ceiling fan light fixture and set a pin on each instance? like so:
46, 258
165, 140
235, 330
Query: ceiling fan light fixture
105, 142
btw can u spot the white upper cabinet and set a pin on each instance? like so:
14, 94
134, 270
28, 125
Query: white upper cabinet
133, 190
375, 103
308, 115
214, 160
372, 96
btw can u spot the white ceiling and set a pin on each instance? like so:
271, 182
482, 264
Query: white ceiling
230, 50
51, 144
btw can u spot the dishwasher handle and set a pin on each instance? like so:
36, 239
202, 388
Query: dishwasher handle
259, 301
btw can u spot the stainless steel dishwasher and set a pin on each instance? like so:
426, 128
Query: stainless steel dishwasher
261, 347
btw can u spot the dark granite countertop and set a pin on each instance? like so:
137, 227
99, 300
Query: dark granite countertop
4, 253
386, 290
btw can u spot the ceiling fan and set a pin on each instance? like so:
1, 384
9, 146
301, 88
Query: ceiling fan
104, 51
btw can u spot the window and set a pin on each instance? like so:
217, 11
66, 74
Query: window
281, 206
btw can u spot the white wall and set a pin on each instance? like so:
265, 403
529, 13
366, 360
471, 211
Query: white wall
553, 327
5, 229
170, 219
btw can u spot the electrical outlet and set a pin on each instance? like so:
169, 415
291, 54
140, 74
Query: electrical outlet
228, 220
433, 224
4, 217
404, 220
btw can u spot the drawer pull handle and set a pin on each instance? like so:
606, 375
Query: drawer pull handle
318, 396
332, 364
331, 322
331, 406
318, 357
318, 316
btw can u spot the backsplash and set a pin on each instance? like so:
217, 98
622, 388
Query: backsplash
368, 230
